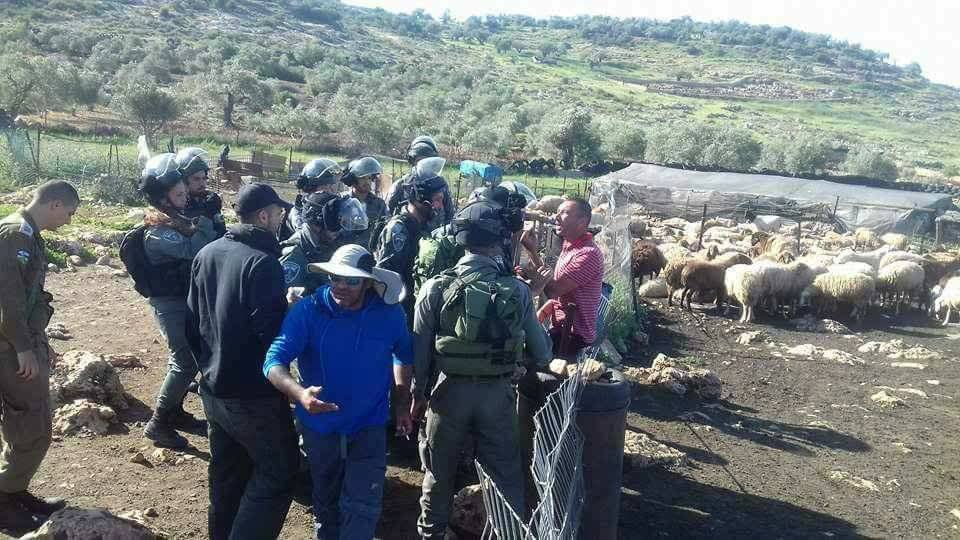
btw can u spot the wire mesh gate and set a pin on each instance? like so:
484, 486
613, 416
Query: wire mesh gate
557, 472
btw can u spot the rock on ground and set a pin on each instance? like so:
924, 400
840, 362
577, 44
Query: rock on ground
467, 513
655, 288
841, 356
83, 417
124, 360
75, 260
58, 331
93, 524
843, 477
746, 338
806, 349
641, 451
810, 323
673, 375
884, 399
86, 375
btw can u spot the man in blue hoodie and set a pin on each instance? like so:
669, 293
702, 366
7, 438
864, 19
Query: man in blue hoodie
351, 343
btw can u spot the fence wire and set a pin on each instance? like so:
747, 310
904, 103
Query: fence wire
557, 473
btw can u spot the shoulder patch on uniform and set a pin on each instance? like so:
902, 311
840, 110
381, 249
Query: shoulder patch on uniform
23, 256
398, 236
169, 235
290, 272
26, 228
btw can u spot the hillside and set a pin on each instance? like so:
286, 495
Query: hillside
324, 74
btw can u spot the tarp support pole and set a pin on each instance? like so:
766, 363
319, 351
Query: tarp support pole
799, 225
939, 232
703, 221
835, 205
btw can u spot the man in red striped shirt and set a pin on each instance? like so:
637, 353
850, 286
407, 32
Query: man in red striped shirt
575, 286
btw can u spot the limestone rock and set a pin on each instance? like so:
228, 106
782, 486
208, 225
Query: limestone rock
82, 374
746, 338
83, 417
807, 349
655, 288
93, 524
884, 399
58, 331
124, 360
119, 273
467, 513
641, 451
841, 356
75, 260
140, 459
104, 260
52, 268
843, 477
165, 456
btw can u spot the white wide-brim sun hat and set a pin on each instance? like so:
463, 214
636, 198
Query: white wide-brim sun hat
353, 260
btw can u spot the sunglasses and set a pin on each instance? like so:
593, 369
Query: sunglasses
349, 281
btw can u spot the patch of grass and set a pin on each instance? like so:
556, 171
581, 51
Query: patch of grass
6, 210
56, 257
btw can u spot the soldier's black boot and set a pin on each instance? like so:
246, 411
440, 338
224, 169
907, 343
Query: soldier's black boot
184, 421
160, 430
14, 518
43, 506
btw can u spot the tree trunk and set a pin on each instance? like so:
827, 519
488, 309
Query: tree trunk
228, 111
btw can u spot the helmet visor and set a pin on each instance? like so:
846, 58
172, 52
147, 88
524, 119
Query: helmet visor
352, 215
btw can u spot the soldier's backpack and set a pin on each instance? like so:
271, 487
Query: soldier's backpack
434, 255
481, 324
134, 257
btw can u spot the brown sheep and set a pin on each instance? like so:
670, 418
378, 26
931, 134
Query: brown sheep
671, 274
647, 259
699, 275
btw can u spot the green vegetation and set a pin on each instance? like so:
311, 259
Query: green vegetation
319, 75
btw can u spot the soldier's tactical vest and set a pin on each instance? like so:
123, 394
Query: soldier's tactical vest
434, 255
481, 323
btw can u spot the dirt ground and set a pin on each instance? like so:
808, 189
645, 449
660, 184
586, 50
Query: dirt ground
760, 458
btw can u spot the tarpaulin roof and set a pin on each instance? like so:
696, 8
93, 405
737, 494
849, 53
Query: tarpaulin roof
667, 190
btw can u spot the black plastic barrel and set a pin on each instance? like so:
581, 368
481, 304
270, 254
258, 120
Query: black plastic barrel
601, 417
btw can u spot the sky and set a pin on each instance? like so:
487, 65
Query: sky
922, 31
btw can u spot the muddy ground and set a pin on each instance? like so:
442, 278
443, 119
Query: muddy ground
760, 458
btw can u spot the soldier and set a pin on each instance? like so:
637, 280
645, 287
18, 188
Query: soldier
473, 324
398, 242
362, 177
25, 310
170, 242
325, 218
320, 174
192, 164
420, 148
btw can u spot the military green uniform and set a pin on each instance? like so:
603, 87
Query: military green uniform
25, 310
473, 396
397, 250
300, 250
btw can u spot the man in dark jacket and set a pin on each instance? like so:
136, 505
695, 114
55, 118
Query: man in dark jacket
236, 305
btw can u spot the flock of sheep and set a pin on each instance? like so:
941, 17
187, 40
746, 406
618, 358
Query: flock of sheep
763, 264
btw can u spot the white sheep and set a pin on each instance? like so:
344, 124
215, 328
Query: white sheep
898, 281
833, 288
870, 257
949, 298
894, 256
895, 240
854, 266
745, 284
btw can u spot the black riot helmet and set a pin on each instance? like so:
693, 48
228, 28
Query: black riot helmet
426, 180
334, 213
192, 160
480, 225
158, 177
420, 148
359, 168
316, 173
510, 205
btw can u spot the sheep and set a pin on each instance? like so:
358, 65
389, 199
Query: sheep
548, 204
937, 265
671, 274
699, 275
817, 261
783, 249
745, 283
637, 227
646, 259
786, 285
866, 238
870, 257
894, 256
859, 267
949, 298
895, 240
830, 289
899, 280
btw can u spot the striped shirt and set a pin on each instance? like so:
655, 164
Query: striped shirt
582, 262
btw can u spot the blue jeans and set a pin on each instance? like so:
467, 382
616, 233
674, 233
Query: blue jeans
253, 466
348, 473
171, 315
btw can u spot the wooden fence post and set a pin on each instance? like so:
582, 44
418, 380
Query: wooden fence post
703, 221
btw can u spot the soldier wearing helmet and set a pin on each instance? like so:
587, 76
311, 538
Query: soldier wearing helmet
328, 220
170, 242
398, 243
420, 148
318, 175
362, 177
193, 167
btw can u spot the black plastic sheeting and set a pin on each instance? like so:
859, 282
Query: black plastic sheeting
683, 193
